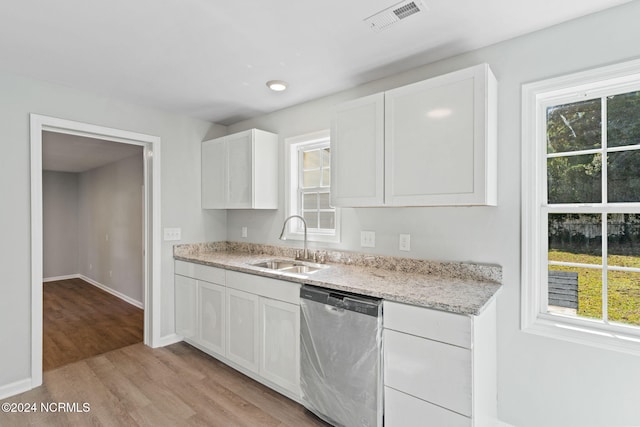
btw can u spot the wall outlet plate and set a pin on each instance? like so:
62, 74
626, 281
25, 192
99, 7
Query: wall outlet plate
405, 242
172, 233
244, 231
368, 239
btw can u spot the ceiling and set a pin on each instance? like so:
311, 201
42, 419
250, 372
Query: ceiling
210, 59
71, 153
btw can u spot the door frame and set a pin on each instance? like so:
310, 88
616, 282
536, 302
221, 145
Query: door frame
152, 231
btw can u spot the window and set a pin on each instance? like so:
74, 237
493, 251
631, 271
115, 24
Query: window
310, 188
581, 207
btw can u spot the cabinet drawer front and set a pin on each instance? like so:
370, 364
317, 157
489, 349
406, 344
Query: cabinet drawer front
264, 286
403, 410
433, 324
200, 272
430, 370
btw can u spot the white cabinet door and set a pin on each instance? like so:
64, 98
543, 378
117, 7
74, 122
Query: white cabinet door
440, 140
240, 170
280, 343
185, 306
211, 309
357, 147
243, 329
213, 170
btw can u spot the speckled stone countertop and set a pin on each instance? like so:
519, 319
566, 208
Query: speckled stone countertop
463, 288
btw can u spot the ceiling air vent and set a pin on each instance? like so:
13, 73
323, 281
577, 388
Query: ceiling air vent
385, 18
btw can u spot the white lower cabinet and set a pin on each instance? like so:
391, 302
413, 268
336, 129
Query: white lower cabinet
185, 300
249, 322
212, 318
243, 329
430, 370
439, 367
280, 343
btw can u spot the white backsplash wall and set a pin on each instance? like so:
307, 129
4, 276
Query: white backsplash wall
540, 381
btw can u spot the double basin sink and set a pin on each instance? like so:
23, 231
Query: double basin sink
289, 267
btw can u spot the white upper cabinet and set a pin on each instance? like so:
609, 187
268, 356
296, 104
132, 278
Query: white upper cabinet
438, 139
357, 160
240, 171
214, 174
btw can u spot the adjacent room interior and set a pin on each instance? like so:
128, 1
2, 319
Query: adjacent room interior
93, 221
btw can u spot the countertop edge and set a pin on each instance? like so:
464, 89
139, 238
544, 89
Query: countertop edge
471, 309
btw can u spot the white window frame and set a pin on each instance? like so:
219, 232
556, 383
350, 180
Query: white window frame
294, 229
536, 97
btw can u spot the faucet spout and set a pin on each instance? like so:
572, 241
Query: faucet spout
305, 253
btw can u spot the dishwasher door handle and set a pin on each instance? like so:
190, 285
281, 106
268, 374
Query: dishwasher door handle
335, 311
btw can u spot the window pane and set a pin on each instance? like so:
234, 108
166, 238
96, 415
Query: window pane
311, 218
310, 201
573, 127
623, 183
575, 291
326, 177
623, 302
311, 178
575, 238
326, 157
327, 220
623, 232
312, 159
324, 201
574, 179
623, 123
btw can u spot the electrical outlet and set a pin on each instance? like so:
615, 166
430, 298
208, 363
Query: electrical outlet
172, 234
244, 231
368, 239
405, 242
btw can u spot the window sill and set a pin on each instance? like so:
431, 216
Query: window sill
582, 332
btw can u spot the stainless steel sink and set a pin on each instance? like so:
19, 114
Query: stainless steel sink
286, 266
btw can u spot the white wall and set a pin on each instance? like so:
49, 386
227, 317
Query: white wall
110, 226
542, 382
59, 223
180, 204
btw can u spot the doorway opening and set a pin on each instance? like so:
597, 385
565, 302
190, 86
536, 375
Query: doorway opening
151, 245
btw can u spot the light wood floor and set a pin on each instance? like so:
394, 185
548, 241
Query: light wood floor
80, 321
176, 385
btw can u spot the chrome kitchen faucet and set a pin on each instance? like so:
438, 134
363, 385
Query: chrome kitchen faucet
305, 252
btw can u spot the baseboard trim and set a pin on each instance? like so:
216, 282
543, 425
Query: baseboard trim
17, 387
56, 278
168, 340
105, 288
113, 292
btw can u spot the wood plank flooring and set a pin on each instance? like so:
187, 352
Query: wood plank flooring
176, 385
80, 321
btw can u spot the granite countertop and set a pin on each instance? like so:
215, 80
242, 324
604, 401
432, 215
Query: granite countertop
464, 288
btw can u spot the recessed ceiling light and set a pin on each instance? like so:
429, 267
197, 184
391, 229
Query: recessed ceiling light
277, 85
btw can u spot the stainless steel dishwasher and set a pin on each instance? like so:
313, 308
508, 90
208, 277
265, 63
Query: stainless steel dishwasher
341, 356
